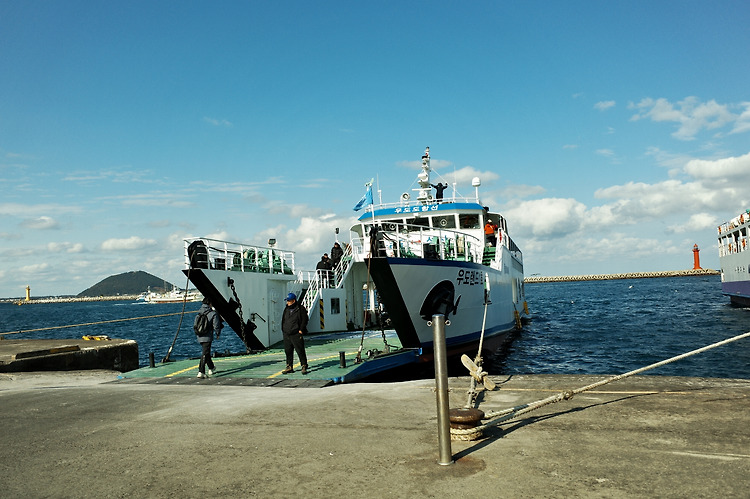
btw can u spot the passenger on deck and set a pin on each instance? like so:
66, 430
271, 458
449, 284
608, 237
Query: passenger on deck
336, 254
294, 326
323, 269
205, 338
489, 232
439, 188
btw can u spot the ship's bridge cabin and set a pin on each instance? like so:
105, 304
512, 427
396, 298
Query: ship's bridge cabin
446, 230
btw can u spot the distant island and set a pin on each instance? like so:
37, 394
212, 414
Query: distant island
125, 286
128, 283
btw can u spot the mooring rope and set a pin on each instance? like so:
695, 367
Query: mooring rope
514, 412
184, 302
472, 392
96, 323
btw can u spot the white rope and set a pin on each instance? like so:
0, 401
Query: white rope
512, 413
472, 392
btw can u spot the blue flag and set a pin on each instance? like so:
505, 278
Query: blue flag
366, 199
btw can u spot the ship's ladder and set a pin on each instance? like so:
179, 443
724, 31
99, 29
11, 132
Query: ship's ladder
320, 282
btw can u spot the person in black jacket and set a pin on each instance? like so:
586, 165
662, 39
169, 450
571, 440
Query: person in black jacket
205, 339
439, 188
336, 253
294, 326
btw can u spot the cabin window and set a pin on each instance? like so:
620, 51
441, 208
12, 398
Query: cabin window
335, 306
418, 221
469, 221
444, 222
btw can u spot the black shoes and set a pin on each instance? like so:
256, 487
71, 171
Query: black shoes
290, 370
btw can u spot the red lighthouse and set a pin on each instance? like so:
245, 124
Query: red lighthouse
696, 258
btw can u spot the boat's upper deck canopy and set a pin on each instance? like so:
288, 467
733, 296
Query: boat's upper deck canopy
426, 210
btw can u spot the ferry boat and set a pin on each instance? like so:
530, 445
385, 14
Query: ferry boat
403, 262
734, 258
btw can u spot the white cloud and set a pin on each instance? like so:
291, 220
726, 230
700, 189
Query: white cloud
34, 268
730, 170
672, 206
605, 152
115, 176
743, 121
604, 105
463, 176
696, 222
64, 247
521, 191
439, 164
218, 122
24, 210
129, 244
636, 201
154, 199
692, 115
547, 218
41, 223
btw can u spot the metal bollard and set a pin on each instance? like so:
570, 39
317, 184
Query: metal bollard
342, 359
151, 362
441, 389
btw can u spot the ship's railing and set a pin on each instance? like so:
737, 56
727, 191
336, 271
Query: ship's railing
738, 221
734, 235
734, 242
414, 241
215, 254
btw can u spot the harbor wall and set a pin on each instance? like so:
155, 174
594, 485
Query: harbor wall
627, 275
70, 299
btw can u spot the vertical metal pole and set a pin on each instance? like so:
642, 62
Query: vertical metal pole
441, 389
151, 362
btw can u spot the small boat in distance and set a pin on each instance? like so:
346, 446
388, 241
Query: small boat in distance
734, 258
403, 262
173, 296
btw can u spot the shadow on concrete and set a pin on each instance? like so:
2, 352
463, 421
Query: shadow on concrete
494, 433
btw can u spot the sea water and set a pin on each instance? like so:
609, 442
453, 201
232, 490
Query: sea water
616, 326
585, 327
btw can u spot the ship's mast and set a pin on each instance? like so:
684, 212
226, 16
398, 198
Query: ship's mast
425, 193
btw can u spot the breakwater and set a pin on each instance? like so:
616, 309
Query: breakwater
70, 299
627, 275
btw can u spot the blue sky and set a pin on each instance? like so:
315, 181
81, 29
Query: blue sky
612, 135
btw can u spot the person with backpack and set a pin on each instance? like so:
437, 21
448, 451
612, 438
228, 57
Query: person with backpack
207, 322
294, 325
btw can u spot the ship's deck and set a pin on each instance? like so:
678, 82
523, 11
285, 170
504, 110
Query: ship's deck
264, 369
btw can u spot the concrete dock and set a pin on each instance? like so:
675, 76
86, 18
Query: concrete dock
88, 434
71, 354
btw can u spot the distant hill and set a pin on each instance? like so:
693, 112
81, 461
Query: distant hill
129, 283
